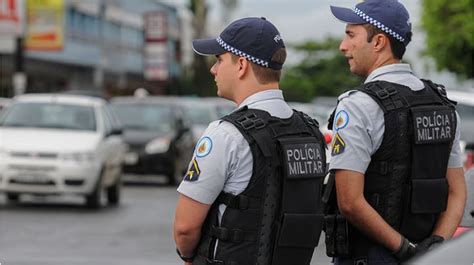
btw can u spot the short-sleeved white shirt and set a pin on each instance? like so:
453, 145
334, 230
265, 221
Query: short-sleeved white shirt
226, 163
364, 124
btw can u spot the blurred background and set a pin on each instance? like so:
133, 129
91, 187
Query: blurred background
112, 47
102, 102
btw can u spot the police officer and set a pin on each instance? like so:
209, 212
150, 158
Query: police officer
251, 194
396, 160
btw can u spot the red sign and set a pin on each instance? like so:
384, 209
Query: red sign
11, 16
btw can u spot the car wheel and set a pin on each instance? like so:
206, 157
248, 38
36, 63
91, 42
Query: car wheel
93, 199
113, 192
13, 197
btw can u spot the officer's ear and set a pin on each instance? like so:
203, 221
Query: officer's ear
380, 42
243, 65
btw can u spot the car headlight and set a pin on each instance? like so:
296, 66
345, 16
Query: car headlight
78, 156
157, 145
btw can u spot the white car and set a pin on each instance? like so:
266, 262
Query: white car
60, 144
4, 102
465, 108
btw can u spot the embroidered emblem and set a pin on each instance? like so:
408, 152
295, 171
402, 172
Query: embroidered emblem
341, 120
204, 147
193, 172
338, 145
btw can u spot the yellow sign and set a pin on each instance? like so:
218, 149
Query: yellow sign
45, 25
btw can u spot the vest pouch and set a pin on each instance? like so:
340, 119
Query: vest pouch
296, 239
429, 196
427, 199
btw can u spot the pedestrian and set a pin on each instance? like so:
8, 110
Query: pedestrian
252, 191
396, 162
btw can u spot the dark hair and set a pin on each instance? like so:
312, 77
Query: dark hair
398, 48
267, 75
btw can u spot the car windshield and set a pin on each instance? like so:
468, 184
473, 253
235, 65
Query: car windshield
145, 117
49, 115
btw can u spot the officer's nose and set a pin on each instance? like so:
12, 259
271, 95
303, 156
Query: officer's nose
342, 46
213, 69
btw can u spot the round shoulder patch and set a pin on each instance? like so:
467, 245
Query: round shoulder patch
204, 147
341, 120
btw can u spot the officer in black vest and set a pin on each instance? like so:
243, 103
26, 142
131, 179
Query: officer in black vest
253, 188
397, 186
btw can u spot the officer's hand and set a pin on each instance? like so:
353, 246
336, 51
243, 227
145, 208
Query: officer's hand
429, 243
406, 251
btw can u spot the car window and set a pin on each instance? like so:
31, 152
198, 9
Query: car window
199, 114
106, 119
151, 117
49, 115
466, 113
113, 117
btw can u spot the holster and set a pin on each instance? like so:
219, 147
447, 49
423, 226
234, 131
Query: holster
338, 233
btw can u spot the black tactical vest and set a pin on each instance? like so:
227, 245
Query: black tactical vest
406, 178
277, 219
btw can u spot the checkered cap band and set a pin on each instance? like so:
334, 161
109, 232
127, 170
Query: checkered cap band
377, 24
238, 52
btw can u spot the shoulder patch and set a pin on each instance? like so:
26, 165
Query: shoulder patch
341, 120
193, 172
338, 145
204, 147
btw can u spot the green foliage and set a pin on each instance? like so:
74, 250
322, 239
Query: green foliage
449, 27
322, 72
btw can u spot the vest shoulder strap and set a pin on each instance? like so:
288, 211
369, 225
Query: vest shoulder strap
385, 94
440, 90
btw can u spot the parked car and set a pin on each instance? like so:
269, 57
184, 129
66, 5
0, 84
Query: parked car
60, 144
467, 222
202, 111
160, 140
465, 108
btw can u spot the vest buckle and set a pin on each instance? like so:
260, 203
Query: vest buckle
237, 235
222, 233
251, 121
385, 93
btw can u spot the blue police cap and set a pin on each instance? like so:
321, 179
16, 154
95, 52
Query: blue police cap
256, 39
389, 16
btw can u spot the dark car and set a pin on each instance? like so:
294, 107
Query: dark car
160, 142
202, 111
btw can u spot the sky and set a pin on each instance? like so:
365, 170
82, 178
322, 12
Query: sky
300, 20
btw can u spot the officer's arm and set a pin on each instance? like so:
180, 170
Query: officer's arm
190, 216
450, 219
352, 204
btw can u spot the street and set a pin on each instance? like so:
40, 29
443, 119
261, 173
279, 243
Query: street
61, 231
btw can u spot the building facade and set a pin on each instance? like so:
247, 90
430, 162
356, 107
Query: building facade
104, 50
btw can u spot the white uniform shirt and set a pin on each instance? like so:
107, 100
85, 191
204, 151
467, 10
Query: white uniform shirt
362, 125
223, 155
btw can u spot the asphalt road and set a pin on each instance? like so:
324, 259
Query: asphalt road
61, 231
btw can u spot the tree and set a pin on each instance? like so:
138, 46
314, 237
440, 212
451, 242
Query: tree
449, 34
323, 72
202, 81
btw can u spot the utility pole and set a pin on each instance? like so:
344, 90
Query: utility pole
19, 77
99, 68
